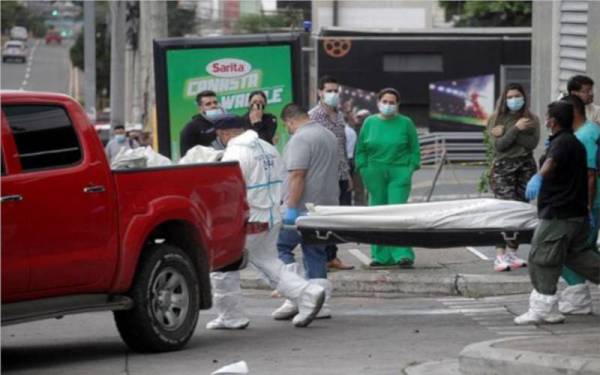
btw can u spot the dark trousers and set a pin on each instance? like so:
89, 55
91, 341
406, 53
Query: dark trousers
345, 200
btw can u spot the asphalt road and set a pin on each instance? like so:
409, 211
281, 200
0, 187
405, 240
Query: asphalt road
365, 336
47, 69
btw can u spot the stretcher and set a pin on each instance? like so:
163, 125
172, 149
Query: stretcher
470, 222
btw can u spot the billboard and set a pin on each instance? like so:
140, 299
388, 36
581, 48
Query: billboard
232, 67
461, 104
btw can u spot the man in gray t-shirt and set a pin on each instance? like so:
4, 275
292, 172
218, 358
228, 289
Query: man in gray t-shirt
312, 149
311, 161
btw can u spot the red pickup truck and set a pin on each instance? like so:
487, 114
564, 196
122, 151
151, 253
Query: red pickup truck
79, 237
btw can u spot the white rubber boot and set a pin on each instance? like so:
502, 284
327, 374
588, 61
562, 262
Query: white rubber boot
309, 305
227, 297
289, 309
325, 312
542, 310
576, 300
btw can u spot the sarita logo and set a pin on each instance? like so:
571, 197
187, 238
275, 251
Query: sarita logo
228, 68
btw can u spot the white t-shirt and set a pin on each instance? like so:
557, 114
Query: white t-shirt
350, 141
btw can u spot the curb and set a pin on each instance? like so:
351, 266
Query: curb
390, 284
484, 358
444, 367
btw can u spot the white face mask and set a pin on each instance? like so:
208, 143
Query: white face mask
212, 114
332, 99
386, 109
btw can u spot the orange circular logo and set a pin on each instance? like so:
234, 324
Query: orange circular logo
337, 47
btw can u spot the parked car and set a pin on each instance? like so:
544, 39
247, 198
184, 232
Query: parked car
19, 33
14, 50
80, 237
53, 36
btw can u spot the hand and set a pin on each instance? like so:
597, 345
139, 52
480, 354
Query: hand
547, 142
350, 184
522, 124
290, 215
497, 131
533, 187
256, 114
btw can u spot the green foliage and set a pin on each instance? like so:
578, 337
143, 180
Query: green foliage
180, 21
488, 13
484, 179
258, 23
102, 51
13, 13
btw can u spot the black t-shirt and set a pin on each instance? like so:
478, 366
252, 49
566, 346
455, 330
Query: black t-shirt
265, 128
199, 131
564, 193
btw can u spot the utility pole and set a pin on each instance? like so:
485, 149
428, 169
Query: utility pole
89, 57
153, 25
117, 63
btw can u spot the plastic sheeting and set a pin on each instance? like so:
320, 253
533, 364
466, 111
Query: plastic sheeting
469, 214
201, 154
140, 157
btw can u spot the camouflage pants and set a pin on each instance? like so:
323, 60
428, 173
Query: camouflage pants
508, 180
509, 177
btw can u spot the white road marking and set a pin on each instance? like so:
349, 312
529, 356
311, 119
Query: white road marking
477, 253
360, 256
28, 69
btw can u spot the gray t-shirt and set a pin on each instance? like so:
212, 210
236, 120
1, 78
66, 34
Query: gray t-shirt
313, 148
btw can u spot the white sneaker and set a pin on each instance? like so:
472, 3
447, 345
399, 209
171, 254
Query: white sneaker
542, 309
514, 261
576, 300
286, 311
501, 263
220, 323
309, 305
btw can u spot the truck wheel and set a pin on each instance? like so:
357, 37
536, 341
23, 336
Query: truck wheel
166, 302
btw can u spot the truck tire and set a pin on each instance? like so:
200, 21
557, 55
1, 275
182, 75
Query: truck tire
166, 302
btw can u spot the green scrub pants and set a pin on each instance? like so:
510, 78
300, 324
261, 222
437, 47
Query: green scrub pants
388, 185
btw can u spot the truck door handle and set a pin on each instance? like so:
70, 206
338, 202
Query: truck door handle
11, 198
94, 189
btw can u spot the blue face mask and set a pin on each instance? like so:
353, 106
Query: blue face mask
213, 114
120, 138
332, 99
515, 104
386, 109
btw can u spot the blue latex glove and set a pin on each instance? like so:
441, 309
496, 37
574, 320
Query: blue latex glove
290, 215
592, 221
533, 187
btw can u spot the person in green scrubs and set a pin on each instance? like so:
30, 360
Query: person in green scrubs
387, 154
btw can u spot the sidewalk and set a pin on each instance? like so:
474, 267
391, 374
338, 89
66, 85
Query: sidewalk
437, 272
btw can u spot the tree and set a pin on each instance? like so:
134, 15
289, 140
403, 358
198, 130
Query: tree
180, 21
488, 13
102, 50
257, 23
13, 13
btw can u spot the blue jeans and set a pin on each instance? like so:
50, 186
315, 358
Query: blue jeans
315, 258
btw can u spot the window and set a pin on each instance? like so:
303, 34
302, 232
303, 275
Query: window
413, 63
44, 136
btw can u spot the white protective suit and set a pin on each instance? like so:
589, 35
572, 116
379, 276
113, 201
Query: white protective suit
262, 170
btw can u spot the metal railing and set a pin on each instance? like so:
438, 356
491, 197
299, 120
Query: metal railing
459, 147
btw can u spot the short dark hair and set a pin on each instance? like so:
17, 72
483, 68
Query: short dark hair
388, 90
326, 79
204, 94
257, 92
293, 110
116, 127
577, 103
576, 82
562, 112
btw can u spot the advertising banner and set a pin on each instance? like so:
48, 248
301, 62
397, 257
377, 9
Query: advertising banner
461, 104
232, 70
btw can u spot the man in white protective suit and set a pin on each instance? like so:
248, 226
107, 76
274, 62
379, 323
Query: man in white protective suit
263, 173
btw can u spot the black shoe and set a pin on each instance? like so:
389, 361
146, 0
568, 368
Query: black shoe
405, 263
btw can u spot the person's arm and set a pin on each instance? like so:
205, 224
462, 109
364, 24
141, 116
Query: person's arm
415, 148
548, 167
529, 135
296, 182
186, 140
360, 153
507, 139
591, 187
